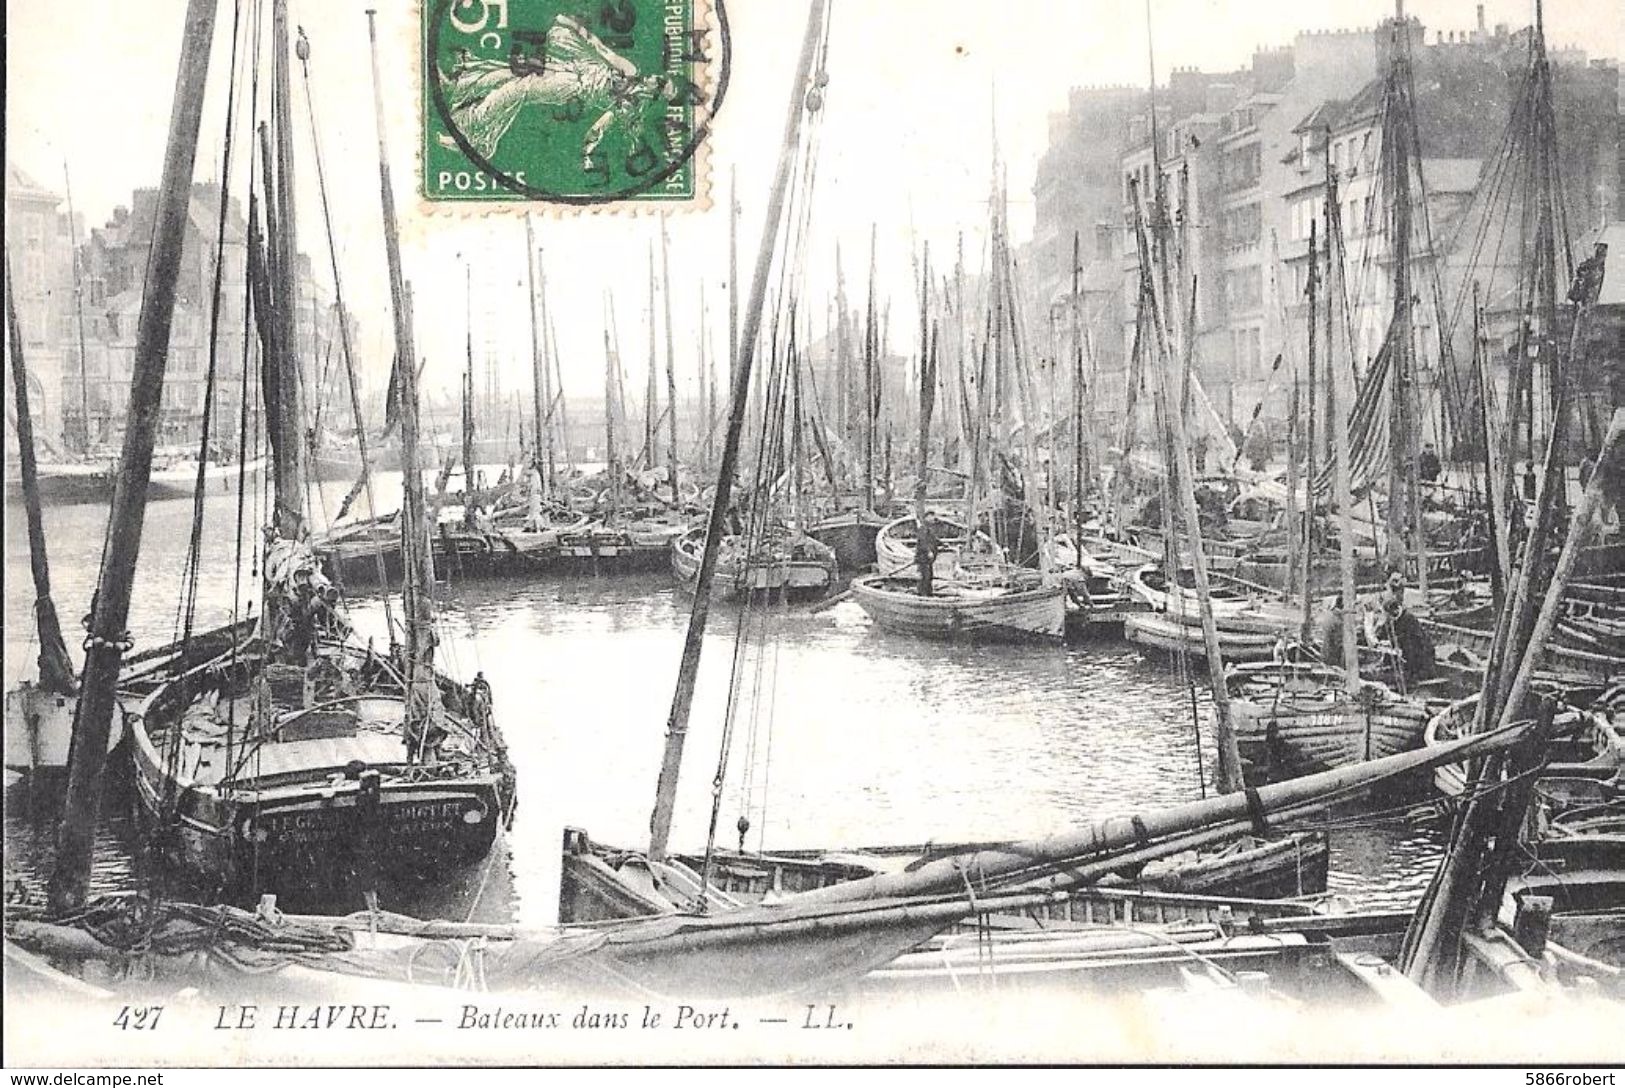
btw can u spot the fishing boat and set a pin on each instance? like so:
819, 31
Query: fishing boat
797, 566
895, 543
1591, 746
1015, 606
1295, 718
851, 533
1158, 632
1292, 865
1233, 610
1248, 629
299, 761
1558, 661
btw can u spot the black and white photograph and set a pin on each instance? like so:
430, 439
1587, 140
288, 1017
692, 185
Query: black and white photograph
603, 533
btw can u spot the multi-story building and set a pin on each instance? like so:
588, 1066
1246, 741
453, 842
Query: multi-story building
40, 248
1466, 229
1242, 155
114, 263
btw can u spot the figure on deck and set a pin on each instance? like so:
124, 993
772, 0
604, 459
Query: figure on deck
1587, 285
1388, 620
1428, 466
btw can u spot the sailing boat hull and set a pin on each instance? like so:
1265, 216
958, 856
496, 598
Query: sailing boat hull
307, 839
851, 534
1159, 632
798, 573
978, 615
39, 729
1305, 735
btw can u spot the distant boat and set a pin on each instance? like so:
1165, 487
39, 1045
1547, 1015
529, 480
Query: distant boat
851, 533
795, 565
1014, 607
92, 481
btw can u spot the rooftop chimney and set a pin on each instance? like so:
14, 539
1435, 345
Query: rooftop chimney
1481, 18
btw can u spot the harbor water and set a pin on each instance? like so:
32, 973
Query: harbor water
843, 735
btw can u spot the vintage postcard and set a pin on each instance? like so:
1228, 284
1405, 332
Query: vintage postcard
747, 532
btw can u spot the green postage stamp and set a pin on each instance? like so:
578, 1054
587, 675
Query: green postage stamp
571, 102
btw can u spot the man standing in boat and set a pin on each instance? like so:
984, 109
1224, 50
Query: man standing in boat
925, 554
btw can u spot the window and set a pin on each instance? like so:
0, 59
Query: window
1242, 227
1247, 346
1242, 167
1244, 288
1104, 249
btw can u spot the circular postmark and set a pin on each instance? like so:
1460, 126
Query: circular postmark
570, 101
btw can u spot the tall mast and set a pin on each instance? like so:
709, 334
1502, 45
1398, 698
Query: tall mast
105, 646
1337, 420
1404, 494
651, 397
928, 377
55, 668
1229, 772
871, 392
79, 317
1077, 401
671, 361
1307, 559
417, 561
612, 463
468, 398
556, 388
683, 698
702, 418
1493, 481
290, 457
733, 282
542, 413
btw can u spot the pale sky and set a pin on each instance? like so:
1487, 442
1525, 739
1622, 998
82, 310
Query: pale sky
906, 143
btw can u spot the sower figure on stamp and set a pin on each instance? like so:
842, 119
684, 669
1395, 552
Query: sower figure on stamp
575, 73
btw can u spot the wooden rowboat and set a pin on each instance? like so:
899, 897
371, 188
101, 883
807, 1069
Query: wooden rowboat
1295, 719
1596, 751
1016, 610
1558, 661
894, 546
798, 566
851, 533
1166, 634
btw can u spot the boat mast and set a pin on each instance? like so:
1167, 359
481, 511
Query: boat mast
1337, 420
1494, 484
1404, 492
542, 415
612, 465
108, 638
468, 398
416, 559
290, 456
55, 668
79, 317
1307, 556
924, 558
733, 301
683, 699
1077, 401
671, 362
871, 393
651, 393
1229, 770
